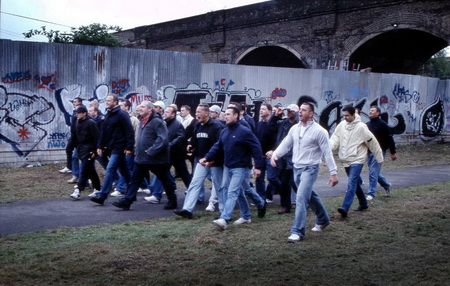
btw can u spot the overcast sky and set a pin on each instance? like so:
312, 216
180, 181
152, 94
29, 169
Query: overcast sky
75, 13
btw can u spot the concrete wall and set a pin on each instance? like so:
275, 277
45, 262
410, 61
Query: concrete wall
39, 80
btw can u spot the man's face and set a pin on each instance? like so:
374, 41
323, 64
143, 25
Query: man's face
184, 112
290, 113
145, 110
92, 112
139, 110
305, 113
169, 114
76, 102
123, 106
110, 103
373, 113
264, 112
202, 114
214, 115
81, 115
159, 109
348, 117
230, 116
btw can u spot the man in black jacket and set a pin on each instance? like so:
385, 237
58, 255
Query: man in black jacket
85, 138
116, 141
152, 154
381, 131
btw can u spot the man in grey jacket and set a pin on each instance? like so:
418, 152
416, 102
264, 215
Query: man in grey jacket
309, 143
152, 154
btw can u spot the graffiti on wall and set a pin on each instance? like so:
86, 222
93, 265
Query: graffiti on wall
14, 77
23, 119
46, 81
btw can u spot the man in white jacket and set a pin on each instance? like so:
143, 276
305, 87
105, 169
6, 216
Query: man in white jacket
309, 143
353, 139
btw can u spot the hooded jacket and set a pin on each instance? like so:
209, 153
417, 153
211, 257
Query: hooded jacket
117, 133
353, 140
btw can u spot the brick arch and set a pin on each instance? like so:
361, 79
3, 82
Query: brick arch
277, 55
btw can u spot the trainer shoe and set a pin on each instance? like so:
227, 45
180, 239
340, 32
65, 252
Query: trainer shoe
369, 197
183, 213
294, 238
97, 200
242, 221
94, 193
388, 191
269, 201
146, 191
220, 223
65, 171
73, 180
76, 194
343, 212
210, 208
320, 227
116, 194
152, 200
262, 211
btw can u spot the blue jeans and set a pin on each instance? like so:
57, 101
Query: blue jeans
121, 184
200, 175
375, 175
156, 187
260, 183
87, 170
307, 197
251, 193
354, 187
231, 190
116, 162
75, 163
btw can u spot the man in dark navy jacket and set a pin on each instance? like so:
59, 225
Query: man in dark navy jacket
238, 145
116, 141
152, 154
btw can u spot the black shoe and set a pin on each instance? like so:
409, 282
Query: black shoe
183, 213
284, 211
343, 212
170, 205
97, 200
361, 208
121, 205
262, 211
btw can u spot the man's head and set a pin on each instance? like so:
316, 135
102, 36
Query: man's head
139, 110
374, 112
125, 104
291, 110
93, 111
112, 101
232, 114
265, 111
202, 113
185, 110
94, 103
159, 107
170, 113
146, 108
236, 105
81, 112
349, 113
214, 111
77, 101
306, 112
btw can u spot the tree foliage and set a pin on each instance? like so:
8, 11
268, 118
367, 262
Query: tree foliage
94, 34
438, 66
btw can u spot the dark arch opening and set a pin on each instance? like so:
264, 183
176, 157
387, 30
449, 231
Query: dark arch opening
399, 51
271, 56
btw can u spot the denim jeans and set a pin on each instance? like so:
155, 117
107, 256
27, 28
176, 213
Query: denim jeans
156, 187
307, 198
260, 183
251, 193
282, 180
75, 163
87, 170
116, 162
139, 173
354, 187
375, 175
200, 175
231, 190
121, 184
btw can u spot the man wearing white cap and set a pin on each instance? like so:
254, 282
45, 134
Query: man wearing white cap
159, 107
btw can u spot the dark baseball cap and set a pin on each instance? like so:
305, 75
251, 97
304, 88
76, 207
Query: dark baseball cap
81, 109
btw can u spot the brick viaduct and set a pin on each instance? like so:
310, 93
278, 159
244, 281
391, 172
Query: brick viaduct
389, 36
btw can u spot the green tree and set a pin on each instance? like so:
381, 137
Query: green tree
438, 66
94, 34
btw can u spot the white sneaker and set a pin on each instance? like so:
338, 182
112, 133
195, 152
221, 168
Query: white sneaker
220, 223
116, 194
210, 208
152, 200
74, 180
94, 193
294, 238
75, 195
320, 227
146, 191
269, 201
369, 197
242, 221
65, 171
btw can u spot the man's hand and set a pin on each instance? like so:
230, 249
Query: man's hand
202, 161
256, 173
128, 152
393, 157
273, 160
333, 180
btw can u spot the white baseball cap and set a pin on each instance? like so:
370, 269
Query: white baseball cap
160, 104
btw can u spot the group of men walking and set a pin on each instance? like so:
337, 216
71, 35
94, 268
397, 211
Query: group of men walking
286, 144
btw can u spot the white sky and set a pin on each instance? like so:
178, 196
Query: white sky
124, 13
